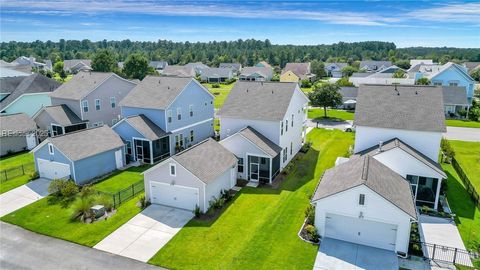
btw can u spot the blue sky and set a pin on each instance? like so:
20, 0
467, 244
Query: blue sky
407, 23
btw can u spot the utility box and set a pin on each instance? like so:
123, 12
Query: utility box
98, 210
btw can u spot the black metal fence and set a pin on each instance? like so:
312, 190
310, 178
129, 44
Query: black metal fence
468, 185
447, 254
10, 173
126, 194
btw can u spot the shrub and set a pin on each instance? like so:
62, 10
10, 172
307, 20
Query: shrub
33, 176
56, 186
230, 81
81, 209
310, 214
226, 195
217, 203
306, 83
447, 150
86, 191
144, 202
197, 211
305, 147
69, 189
104, 200
312, 233
215, 85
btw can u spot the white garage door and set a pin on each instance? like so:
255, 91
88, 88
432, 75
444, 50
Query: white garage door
52, 170
174, 195
361, 231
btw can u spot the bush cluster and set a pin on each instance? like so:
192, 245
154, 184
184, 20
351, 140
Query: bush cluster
62, 188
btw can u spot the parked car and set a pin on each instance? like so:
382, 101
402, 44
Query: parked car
349, 128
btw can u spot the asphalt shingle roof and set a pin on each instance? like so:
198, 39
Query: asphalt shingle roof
453, 95
261, 141
217, 72
372, 173
299, 69
62, 115
17, 122
409, 107
179, 71
80, 85
207, 160
349, 92
264, 71
146, 127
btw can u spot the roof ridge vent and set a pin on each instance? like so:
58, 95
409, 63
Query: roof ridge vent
365, 168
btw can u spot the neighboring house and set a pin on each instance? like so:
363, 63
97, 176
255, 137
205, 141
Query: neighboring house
29, 95
158, 65
349, 96
384, 76
365, 202
454, 100
335, 69
235, 67
471, 66
413, 114
193, 177
164, 115
77, 65
374, 66
264, 64
8, 71
82, 155
414, 62
58, 120
198, 67
268, 117
179, 71
18, 133
256, 74
31, 62
94, 96
216, 75
295, 72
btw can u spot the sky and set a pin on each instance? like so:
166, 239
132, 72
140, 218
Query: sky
406, 23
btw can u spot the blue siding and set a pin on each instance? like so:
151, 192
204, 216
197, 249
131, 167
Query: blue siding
200, 133
156, 116
94, 166
452, 74
127, 132
57, 156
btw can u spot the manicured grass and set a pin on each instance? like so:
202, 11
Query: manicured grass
259, 229
121, 180
336, 115
462, 123
14, 183
307, 90
15, 160
12, 164
468, 156
216, 124
50, 217
219, 93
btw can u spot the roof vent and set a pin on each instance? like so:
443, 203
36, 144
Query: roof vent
168, 87
159, 81
272, 92
416, 92
380, 144
247, 90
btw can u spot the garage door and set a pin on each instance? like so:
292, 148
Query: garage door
361, 231
174, 195
52, 170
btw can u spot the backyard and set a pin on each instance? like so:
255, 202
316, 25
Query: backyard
11, 172
468, 156
220, 93
260, 226
335, 115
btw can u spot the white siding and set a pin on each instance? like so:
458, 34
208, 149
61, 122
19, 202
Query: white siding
223, 182
269, 129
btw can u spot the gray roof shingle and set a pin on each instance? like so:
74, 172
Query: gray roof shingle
453, 95
217, 73
146, 127
372, 173
87, 142
261, 141
264, 71
81, 85
258, 100
16, 122
349, 92
372, 64
233, 66
409, 107
77, 64
179, 71
62, 115
207, 160
300, 69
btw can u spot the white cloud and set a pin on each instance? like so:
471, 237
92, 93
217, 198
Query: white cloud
468, 13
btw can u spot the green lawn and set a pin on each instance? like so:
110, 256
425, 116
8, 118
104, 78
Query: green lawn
219, 93
10, 163
56, 76
336, 115
259, 229
468, 156
217, 124
462, 123
14, 183
121, 180
15, 160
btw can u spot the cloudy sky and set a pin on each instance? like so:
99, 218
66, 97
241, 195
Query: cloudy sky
407, 23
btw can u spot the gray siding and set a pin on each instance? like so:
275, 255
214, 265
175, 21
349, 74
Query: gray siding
74, 105
95, 166
57, 156
223, 182
13, 144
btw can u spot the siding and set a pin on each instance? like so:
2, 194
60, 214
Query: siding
452, 74
13, 144
223, 182
94, 166
156, 116
289, 76
201, 132
74, 105
57, 156
269, 129
127, 132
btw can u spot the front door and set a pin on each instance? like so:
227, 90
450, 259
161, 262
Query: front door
254, 170
139, 151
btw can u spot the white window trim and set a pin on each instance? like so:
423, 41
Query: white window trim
99, 105
113, 102
179, 113
174, 169
51, 150
191, 110
85, 104
169, 116
364, 199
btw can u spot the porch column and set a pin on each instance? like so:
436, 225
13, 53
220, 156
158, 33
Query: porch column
270, 171
151, 152
439, 184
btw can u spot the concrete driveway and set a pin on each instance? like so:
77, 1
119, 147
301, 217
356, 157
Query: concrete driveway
146, 233
24, 195
340, 255
463, 134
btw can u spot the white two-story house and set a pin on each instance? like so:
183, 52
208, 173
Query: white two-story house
263, 124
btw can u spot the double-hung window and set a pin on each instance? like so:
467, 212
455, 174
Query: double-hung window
97, 104
169, 116
281, 129
240, 165
113, 102
85, 105
285, 152
191, 136
292, 119
286, 125
50, 149
361, 199
173, 169
179, 113
191, 110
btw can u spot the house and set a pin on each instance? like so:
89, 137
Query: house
158, 65
411, 113
74, 66
454, 100
349, 96
18, 133
365, 202
263, 124
335, 69
414, 62
198, 67
216, 75
30, 94
94, 96
264, 64
58, 120
164, 115
295, 72
26, 62
192, 178
471, 66
374, 66
81, 155
235, 67
256, 74
13, 69
179, 71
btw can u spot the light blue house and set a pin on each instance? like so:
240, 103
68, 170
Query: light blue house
81, 156
163, 115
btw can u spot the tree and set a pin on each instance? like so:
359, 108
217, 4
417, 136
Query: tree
399, 74
58, 67
423, 81
476, 74
349, 70
318, 68
405, 64
136, 66
325, 95
104, 61
343, 82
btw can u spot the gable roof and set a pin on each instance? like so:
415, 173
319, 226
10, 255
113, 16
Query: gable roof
16, 122
35, 83
207, 160
340, 65
263, 64
68, 65
258, 100
454, 95
86, 142
349, 92
260, 141
299, 69
62, 115
158, 64
447, 66
180, 71
234, 66
146, 127
217, 72
409, 107
264, 71
371, 173
8, 84
81, 85
471, 66
371, 64
397, 143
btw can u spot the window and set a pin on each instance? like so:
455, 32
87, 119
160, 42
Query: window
179, 113
128, 147
453, 83
191, 110
173, 170
291, 148
85, 105
285, 152
286, 125
113, 102
292, 119
437, 83
191, 136
263, 161
169, 116
281, 129
50, 149
97, 104
179, 140
240, 165
361, 199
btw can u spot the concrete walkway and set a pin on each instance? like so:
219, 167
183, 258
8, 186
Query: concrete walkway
146, 233
24, 195
463, 134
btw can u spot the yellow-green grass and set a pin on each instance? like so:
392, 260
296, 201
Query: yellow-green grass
217, 124
15, 160
462, 123
14, 183
220, 93
336, 115
121, 180
468, 156
11, 165
258, 230
56, 76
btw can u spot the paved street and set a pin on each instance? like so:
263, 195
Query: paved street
463, 134
22, 249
